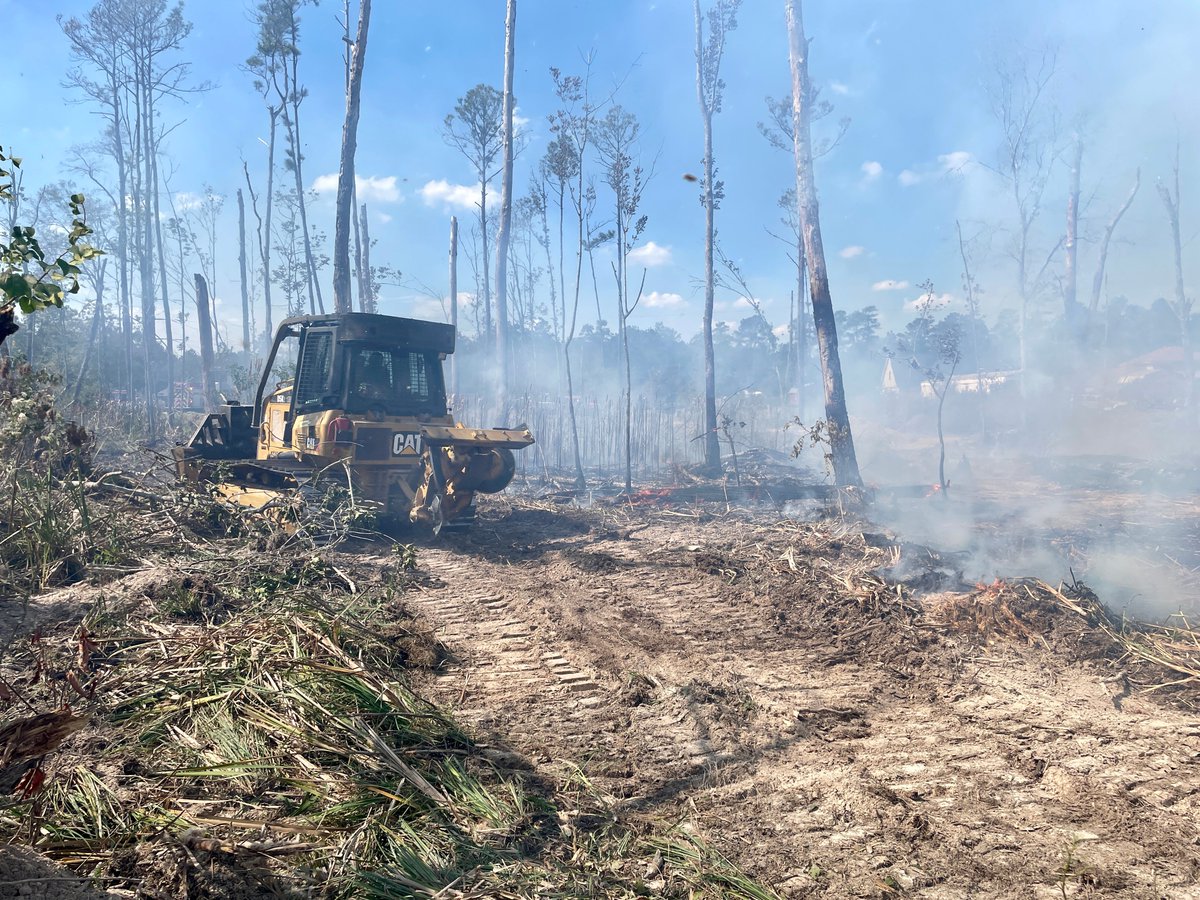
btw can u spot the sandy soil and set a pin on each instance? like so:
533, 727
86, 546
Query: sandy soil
755, 679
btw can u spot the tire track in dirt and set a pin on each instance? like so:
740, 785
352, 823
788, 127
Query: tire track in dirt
501, 674
685, 682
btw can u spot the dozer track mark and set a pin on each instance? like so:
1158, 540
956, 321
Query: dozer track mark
513, 655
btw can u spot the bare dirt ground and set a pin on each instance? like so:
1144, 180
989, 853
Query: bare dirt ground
823, 728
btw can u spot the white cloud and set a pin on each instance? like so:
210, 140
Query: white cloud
185, 201
939, 301
954, 163
370, 188
384, 217
852, 251
889, 284
661, 300
839, 88
650, 255
871, 170
780, 331
428, 308
462, 196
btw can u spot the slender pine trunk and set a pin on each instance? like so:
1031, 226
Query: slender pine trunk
97, 318
342, 300
845, 462
503, 236
242, 276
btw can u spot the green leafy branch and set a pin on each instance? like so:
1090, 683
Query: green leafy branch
30, 279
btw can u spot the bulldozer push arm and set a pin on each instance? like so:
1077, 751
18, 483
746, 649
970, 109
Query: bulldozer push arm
459, 462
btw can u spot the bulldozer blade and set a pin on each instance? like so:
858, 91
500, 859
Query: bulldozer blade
480, 438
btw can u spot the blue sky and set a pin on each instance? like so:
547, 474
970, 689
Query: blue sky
911, 75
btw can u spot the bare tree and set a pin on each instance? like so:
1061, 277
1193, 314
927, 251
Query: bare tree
710, 88
454, 299
1182, 305
476, 130
276, 67
204, 321
96, 41
1072, 311
971, 292
268, 69
242, 271
1019, 100
343, 302
368, 300
572, 125
616, 142
506, 204
264, 246
845, 462
1102, 259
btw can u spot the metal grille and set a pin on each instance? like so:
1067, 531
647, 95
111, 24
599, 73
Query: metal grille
314, 367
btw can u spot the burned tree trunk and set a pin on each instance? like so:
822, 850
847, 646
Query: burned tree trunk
506, 190
1098, 279
242, 271
1072, 312
454, 298
845, 462
359, 219
367, 289
97, 318
342, 299
204, 323
1182, 304
708, 86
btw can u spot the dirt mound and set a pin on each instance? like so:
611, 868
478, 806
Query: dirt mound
26, 874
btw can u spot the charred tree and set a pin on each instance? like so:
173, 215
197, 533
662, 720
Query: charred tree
845, 462
1019, 100
242, 271
1183, 304
97, 41
722, 19
1098, 278
454, 299
97, 319
1072, 311
367, 299
475, 129
204, 323
264, 242
572, 125
503, 235
616, 141
342, 299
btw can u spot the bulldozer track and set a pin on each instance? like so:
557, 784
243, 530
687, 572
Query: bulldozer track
492, 649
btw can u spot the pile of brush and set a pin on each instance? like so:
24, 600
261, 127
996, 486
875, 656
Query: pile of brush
1161, 656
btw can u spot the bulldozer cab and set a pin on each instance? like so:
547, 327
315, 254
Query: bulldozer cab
360, 364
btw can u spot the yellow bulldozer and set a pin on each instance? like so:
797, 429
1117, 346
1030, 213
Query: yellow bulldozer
367, 404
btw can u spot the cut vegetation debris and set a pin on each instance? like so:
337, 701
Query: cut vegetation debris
678, 699
266, 741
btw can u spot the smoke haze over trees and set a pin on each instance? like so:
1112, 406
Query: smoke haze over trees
190, 114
